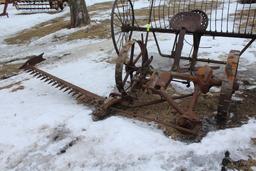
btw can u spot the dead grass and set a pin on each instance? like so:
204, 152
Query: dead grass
38, 31
245, 165
102, 30
10, 85
99, 30
253, 140
101, 6
20, 87
247, 20
9, 70
14, 87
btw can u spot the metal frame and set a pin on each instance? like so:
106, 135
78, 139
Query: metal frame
225, 18
38, 5
179, 21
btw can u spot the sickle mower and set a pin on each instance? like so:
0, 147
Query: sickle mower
141, 86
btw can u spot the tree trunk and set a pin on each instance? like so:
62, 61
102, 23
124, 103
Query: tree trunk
5, 8
79, 13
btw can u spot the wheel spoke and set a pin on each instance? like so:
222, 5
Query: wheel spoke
118, 17
126, 77
131, 78
128, 87
137, 58
119, 13
118, 38
122, 41
132, 53
122, 14
129, 75
118, 32
116, 24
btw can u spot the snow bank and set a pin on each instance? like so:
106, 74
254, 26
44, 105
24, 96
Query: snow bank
41, 122
16, 23
42, 128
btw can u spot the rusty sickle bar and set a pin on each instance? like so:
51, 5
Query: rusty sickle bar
80, 94
103, 106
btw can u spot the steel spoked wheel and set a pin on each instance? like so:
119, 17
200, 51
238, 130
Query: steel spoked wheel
132, 66
122, 15
228, 87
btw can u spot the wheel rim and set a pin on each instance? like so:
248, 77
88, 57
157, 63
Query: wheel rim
122, 15
130, 65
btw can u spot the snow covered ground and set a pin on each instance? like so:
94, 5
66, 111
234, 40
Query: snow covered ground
42, 128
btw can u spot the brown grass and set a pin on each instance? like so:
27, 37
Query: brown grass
10, 85
247, 20
9, 70
100, 30
18, 88
242, 165
101, 6
38, 31
253, 140
59, 23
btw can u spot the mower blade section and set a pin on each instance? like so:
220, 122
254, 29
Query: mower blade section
87, 97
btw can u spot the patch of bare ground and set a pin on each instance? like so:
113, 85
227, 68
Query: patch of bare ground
8, 70
253, 140
101, 6
20, 87
206, 109
38, 31
247, 21
14, 87
245, 165
100, 30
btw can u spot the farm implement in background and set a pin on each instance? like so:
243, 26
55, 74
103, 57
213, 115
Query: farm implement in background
35, 5
143, 90
42, 5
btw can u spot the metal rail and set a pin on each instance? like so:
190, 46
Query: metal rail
125, 28
226, 18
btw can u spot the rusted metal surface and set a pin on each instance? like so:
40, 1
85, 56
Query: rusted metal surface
156, 82
134, 65
143, 77
34, 5
196, 18
219, 18
134, 73
228, 86
103, 107
190, 21
77, 92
